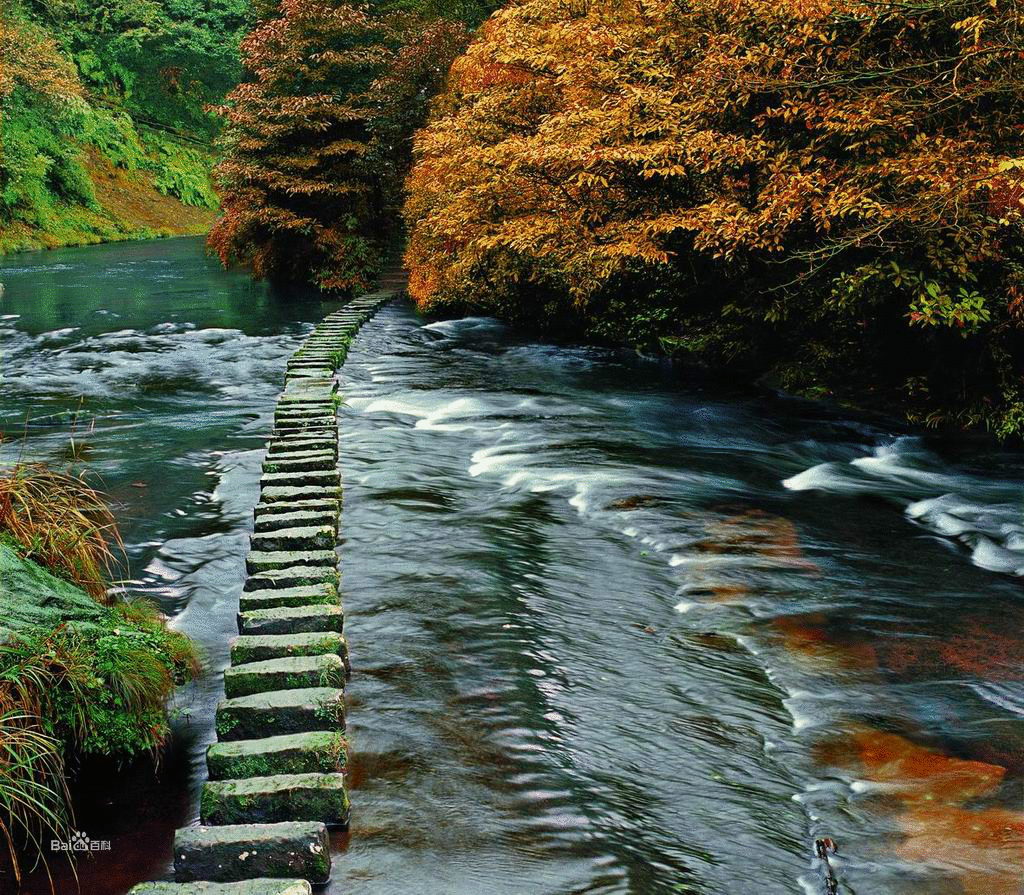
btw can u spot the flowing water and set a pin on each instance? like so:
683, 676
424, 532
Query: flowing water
612, 631
156, 372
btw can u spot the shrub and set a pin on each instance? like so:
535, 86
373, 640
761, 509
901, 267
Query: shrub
100, 690
831, 189
59, 521
95, 685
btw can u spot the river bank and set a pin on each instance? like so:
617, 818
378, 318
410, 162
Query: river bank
159, 370
129, 206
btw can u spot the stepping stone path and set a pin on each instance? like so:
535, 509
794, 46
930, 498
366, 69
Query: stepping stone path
277, 773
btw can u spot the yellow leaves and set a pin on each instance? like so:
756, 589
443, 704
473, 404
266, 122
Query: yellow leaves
29, 58
1011, 164
972, 28
749, 132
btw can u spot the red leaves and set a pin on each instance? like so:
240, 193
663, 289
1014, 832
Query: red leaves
295, 200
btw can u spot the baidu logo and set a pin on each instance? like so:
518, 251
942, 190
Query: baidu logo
80, 842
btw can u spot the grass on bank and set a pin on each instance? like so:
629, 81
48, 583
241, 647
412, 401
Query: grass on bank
57, 520
94, 687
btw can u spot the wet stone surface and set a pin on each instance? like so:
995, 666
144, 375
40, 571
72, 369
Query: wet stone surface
281, 797
289, 673
260, 648
237, 852
321, 752
281, 712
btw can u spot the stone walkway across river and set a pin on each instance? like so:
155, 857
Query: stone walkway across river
277, 773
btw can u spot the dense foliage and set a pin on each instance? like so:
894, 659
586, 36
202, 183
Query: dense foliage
831, 190
89, 88
318, 137
77, 691
161, 60
81, 672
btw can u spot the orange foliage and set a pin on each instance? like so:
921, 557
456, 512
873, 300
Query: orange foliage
32, 61
783, 180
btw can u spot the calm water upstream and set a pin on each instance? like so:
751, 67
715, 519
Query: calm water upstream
612, 632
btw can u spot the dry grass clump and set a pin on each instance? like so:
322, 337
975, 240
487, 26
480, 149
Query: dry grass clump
60, 522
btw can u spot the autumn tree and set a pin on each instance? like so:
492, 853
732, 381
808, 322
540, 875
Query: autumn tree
829, 189
295, 201
319, 137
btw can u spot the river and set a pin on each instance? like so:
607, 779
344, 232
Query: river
613, 631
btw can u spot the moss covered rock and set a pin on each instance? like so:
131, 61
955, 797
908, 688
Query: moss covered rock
290, 673
261, 647
281, 712
323, 752
282, 797
32, 598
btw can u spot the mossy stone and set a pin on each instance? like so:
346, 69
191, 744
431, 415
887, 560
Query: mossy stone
323, 752
276, 799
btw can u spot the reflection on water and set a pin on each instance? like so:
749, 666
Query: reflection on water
612, 632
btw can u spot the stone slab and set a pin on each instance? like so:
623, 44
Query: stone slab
317, 752
292, 620
281, 712
324, 478
290, 673
293, 576
283, 494
247, 887
276, 799
322, 518
289, 447
319, 461
320, 594
317, 537
289, 430
267, 561
261, 647
331, 503
268, 851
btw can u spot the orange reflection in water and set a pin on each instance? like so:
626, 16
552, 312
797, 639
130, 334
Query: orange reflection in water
933, 798
936, 801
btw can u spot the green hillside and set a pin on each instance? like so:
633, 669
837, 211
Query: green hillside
105, 128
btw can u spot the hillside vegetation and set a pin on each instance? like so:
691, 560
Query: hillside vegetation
105, 132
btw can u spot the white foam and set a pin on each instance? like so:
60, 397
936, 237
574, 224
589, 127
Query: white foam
458, 415
488, 460
973, 510
390, 405
824, 477
1008, 695
991, 556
